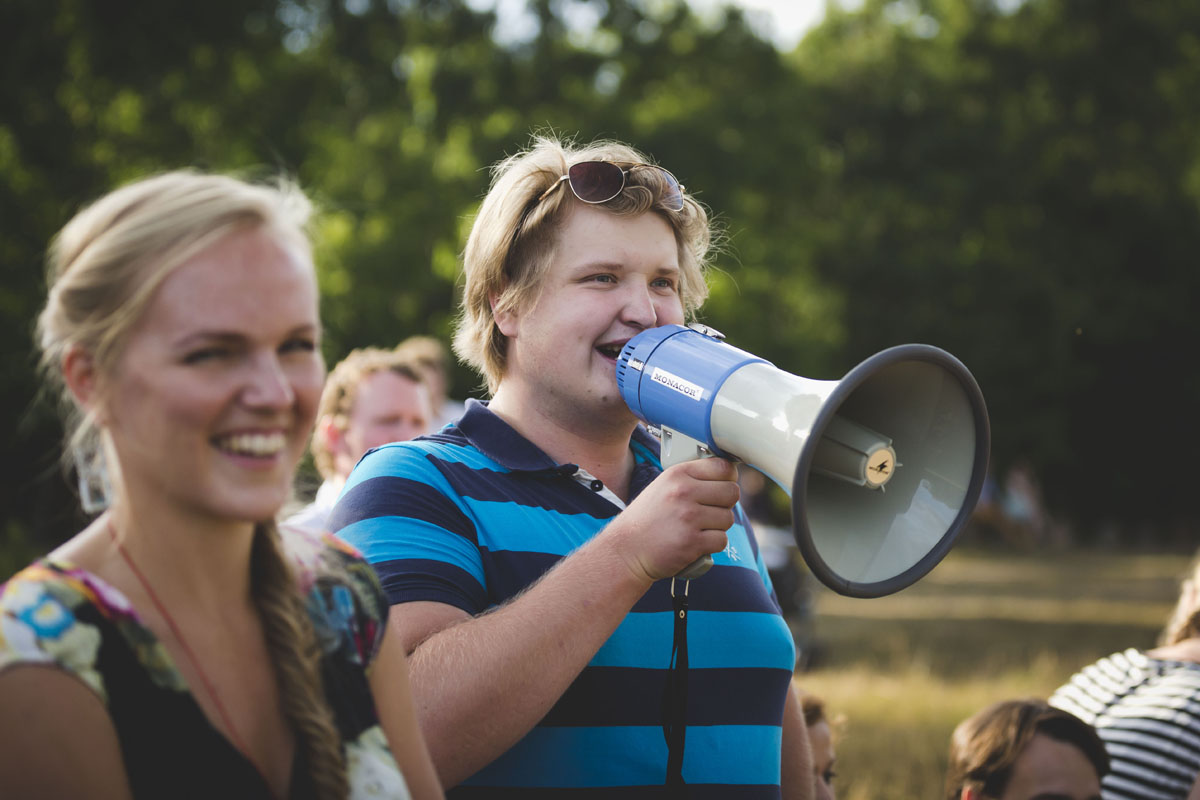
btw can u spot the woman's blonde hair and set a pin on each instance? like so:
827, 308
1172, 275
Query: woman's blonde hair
1184, 622
103, 270
107, 262
511, 244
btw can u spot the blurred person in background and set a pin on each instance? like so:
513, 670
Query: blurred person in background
1146, 707
433, 359
179, 646
820, 736
1024, 750
372, 397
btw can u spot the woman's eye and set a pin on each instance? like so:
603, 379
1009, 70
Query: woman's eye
299, 345
604, 279
205, 354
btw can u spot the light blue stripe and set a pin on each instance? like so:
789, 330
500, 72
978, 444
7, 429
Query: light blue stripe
716, 639
411, 460
739, 545
382, 539
636, 756
528, 529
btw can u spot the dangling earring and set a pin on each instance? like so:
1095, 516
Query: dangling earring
95, 491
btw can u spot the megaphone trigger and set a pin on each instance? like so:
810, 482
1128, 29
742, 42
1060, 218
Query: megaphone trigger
677, 448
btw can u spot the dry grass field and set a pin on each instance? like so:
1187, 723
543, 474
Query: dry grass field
903, 670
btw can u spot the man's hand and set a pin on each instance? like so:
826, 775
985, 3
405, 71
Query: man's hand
682, 515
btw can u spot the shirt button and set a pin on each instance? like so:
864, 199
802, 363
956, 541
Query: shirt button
597, 485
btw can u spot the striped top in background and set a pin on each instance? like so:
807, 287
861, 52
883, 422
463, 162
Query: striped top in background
1147, 711
472, 515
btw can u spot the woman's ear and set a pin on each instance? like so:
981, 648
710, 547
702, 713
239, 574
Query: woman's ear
82, 379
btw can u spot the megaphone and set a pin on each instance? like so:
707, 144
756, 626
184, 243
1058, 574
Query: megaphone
883, 467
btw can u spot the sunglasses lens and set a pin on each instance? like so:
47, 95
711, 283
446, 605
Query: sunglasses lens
596, 181
673, 195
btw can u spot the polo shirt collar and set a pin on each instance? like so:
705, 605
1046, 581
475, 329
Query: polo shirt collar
500, 442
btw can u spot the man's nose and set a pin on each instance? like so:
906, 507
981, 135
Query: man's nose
640, 309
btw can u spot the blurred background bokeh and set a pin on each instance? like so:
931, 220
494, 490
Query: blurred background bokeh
1015, 182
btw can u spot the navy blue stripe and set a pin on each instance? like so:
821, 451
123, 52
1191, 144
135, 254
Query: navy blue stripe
435, 581
510, 572
740, 589
499, 441
695, 792
540, 490
740, 516
382, 496
643, 474
630, 696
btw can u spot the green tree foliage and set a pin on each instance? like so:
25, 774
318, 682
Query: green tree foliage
1020, 188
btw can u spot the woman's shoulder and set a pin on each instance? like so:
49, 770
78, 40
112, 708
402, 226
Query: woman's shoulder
316, 555
54, 614
343, 595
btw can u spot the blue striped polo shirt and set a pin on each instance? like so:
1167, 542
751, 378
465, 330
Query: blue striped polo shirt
475, 513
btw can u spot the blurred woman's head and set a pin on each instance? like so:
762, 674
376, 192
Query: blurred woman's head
182, 324
1185, 619
820, 738
1025, 748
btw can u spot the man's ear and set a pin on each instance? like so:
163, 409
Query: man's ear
506, 318
82, 379
329, 433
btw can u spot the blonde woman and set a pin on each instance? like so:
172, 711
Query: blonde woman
180, 646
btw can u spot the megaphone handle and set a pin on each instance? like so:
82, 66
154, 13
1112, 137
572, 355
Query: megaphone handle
677, 448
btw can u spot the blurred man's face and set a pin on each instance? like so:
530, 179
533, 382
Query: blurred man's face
387, 408
1049, 769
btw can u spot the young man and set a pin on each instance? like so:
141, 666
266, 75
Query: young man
371, 397
1025, 750
528, 549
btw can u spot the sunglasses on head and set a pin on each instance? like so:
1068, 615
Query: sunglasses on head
598, 182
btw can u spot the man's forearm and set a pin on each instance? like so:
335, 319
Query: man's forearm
482, 684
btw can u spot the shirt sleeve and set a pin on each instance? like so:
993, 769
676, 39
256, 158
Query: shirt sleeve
45, 619
353, 597
402, 512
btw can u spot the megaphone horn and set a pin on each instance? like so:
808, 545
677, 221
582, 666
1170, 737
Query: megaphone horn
883, 467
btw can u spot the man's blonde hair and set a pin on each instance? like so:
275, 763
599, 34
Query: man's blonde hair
512, 240
341, 392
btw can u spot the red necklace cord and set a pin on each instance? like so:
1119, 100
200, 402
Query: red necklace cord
208, 686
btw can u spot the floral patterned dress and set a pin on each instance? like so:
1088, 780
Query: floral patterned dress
58, 615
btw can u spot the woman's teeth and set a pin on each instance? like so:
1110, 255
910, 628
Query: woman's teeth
252, 444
